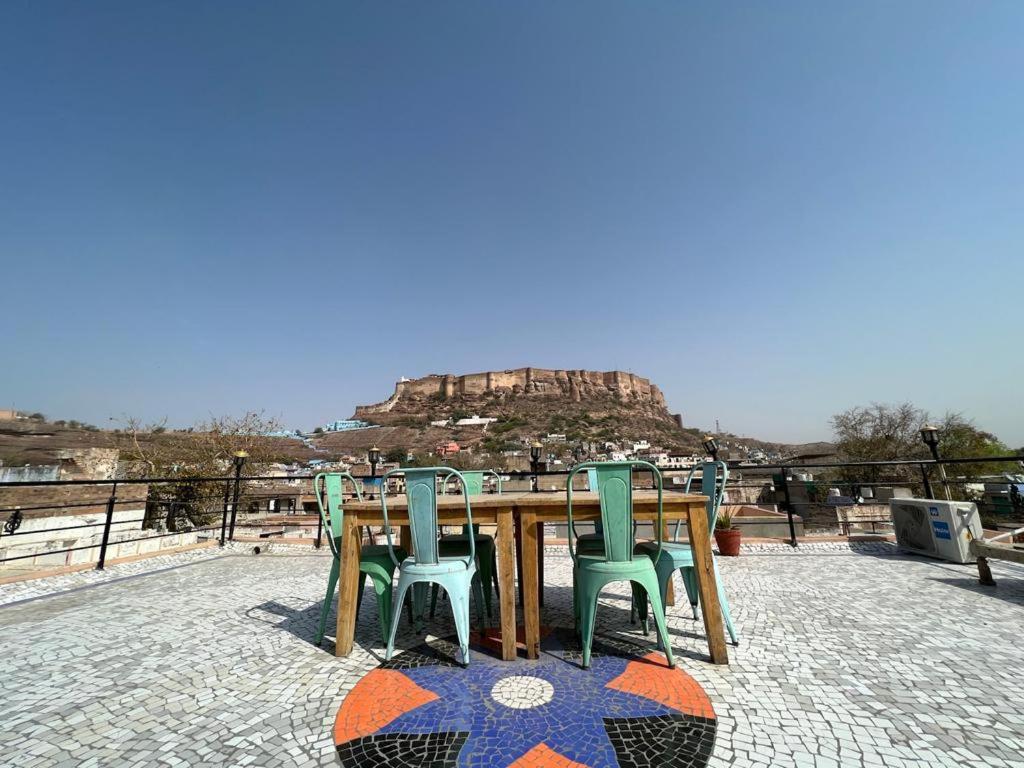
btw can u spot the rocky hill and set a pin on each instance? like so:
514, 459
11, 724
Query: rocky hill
526, 402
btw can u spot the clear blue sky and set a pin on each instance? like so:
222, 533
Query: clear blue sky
773, 210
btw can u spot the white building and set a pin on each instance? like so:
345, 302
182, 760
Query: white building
474, 421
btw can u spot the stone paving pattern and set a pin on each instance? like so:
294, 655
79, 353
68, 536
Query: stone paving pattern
851, 655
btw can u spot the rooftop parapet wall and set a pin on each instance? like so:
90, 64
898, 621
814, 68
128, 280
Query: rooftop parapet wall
577, 384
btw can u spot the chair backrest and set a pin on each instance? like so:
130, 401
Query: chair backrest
713, 477
421, 497
473, 485
334, 514
592, 486
614, 481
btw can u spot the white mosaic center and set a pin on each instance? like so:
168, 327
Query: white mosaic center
522, 691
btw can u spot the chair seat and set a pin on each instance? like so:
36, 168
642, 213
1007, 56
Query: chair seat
380, 552
599, 564
462, 540
590, 544
445, 565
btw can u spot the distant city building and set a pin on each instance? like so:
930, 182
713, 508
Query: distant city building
554, 437
676, 461
446, 449
474, 421
346, 425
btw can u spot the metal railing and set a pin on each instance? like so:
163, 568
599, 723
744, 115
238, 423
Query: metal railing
215, 507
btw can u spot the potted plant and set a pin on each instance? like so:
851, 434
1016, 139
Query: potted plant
727, 537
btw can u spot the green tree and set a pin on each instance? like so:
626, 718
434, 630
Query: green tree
881, 432
395, 455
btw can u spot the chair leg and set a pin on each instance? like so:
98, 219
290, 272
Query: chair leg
689, 576
332, 584
649, 583
433, 599
359, 593
419, 603
403, 587
383, 590
460, 612
588, 615
486, 575
724, 602
494, 571
639, 599
480, 600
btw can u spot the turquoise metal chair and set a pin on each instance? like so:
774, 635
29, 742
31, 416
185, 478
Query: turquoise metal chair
457, 575
458, 545
374, 559
592, 572
591, 543
674, 554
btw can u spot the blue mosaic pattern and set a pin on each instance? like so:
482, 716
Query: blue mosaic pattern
584, 720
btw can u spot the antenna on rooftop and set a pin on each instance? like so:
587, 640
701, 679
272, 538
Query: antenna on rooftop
718, 430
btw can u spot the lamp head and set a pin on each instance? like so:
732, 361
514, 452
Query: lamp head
535, 450
374, 454
930, 435
240, 457
711, 446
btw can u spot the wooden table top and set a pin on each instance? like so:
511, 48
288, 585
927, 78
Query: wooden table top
525, 499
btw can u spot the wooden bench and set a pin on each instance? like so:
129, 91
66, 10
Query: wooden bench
865, 513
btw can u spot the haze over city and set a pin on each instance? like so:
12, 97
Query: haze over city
772, 212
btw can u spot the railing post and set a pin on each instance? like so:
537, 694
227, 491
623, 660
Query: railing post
224, 517
789, 509
239, 463
106, 527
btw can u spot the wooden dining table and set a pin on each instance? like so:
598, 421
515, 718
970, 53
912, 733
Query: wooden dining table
531, 511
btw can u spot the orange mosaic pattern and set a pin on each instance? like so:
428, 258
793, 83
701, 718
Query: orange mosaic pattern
672, 687
380, 697
542, 756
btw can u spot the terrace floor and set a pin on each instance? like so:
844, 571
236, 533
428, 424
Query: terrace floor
850, 655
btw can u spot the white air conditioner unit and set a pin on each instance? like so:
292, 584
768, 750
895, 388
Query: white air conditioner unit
942, 529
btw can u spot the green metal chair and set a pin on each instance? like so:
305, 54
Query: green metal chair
457, 575
592, 572
674, 554
457, 545
374, 559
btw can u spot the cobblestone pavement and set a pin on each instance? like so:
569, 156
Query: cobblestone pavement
849, 656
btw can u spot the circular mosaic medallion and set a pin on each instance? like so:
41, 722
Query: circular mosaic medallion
424, 709
522, 691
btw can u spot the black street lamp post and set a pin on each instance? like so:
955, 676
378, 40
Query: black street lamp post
374, 456
239, 462
535, 450
930, 436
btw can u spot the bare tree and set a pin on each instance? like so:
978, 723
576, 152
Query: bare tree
206, 451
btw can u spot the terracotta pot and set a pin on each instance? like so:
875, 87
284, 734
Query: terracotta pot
728, 541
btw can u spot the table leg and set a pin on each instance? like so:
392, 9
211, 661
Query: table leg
707, 587
529, 587
540, 563
518, 526
348, 586
507, 601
